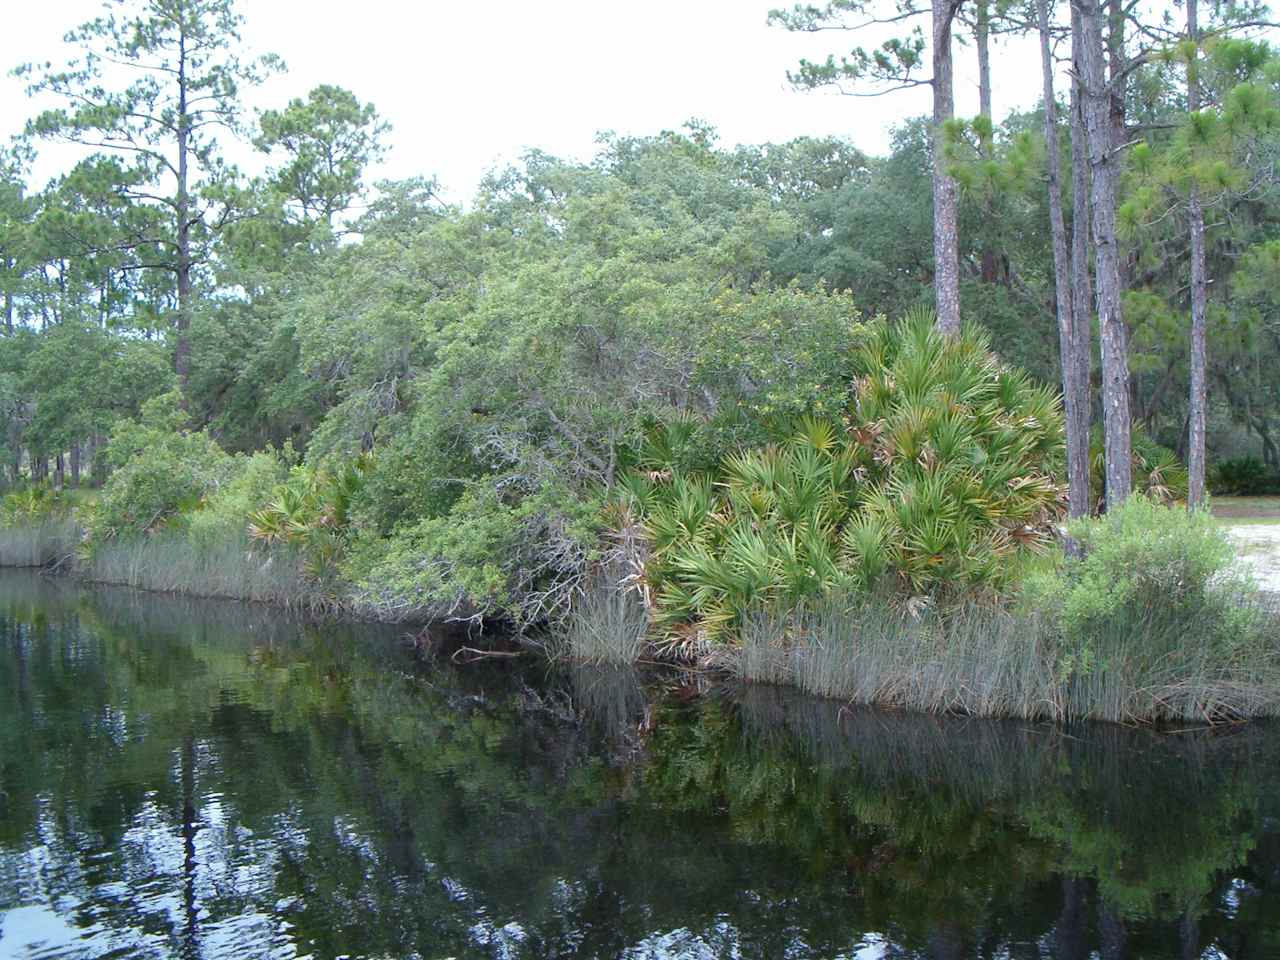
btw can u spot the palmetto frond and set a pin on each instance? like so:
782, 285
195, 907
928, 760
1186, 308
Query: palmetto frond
937, 474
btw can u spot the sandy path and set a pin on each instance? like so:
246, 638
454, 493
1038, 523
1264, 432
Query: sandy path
1259, 546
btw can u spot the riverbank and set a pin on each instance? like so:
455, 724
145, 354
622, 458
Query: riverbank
1153, 656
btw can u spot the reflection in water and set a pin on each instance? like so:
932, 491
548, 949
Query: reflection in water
185, 779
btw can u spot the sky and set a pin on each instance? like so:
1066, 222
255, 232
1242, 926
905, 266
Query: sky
467, 87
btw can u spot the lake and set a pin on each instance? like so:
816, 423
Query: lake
211, 780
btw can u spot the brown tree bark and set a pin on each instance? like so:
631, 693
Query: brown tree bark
182, 349
1081, 269
946, 256
1103, 167
1199, 299
990, 267
75, 464
1075, 370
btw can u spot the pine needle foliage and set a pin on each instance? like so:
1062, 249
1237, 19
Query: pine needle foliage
935, 479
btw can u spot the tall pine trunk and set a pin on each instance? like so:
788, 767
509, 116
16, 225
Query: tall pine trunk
982, 40
1075, 391
946, 257
1104, 169
1081, 275
75, 463
1199, 297
182, 349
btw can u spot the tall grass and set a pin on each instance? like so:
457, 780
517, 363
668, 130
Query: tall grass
608, 625
232, 567
999, 662
40, 544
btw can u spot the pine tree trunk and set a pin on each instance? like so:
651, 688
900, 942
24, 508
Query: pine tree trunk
75, 463
1199, 300
982, 40
1075, 394
1081, 277
59, 472
946, 257
182, 349
1103, 164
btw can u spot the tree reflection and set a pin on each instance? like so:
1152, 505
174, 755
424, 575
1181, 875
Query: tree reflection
216, 780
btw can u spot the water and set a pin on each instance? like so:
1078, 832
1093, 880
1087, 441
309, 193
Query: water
212, 781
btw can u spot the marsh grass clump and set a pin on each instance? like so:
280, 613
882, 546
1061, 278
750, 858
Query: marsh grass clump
608, 624
978, 659
1152, 624
37, 527
232, 567
43, 543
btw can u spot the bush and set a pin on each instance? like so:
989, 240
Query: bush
500, 551
34, 505
934, 481
162, 470
1155, 621
224, 513
1143, 558
1244, 477
310, 512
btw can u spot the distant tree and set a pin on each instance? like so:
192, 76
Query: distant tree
181, 77
328, 141
896, 65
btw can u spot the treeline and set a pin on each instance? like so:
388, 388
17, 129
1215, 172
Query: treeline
445, 409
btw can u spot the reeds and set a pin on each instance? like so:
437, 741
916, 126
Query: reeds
232, 568
41, 544
608, 624
996, 662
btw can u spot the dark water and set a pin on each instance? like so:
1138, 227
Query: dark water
199, 780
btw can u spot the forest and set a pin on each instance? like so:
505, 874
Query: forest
814, 414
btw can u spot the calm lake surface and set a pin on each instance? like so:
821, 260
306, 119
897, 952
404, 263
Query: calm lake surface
204, 780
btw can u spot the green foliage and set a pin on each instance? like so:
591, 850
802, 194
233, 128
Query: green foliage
1144, 556
1157, 471
935, 480
498, 551
33, 505
310, 512
224, 514
1153, 619
1244, 477
162, 469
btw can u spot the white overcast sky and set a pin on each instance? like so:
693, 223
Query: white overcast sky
469, 86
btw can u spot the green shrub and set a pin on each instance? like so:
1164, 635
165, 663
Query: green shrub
1140, 557
1244, 477
34, 505
935, 480
1154, 620
224, 513
310, 512
162, 470
500, 551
